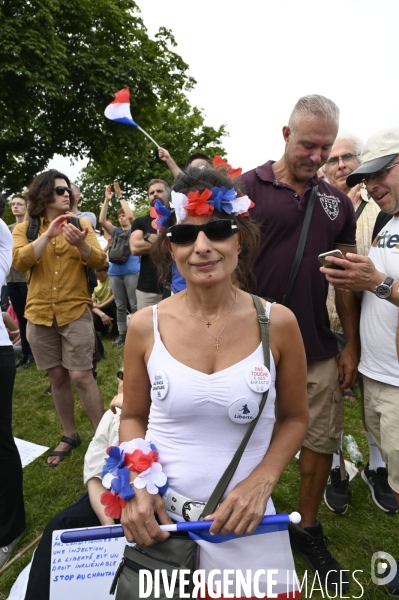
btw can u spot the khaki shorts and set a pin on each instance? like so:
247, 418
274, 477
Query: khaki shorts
326, 408
71, 345
381, 409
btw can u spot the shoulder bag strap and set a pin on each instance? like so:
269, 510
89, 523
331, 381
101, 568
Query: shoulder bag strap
224, 481
301, 245
360, 209
380, 222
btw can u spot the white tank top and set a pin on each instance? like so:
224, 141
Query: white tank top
191, 427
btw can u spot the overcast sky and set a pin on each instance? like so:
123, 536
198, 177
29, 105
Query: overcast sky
253, 59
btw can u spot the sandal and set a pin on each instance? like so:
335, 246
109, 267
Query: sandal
64, 453
349, 394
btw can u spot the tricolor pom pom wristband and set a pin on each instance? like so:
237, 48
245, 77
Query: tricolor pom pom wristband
137, 455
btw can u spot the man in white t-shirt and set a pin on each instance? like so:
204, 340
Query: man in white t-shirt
377, 276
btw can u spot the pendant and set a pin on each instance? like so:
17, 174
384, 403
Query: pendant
217, 344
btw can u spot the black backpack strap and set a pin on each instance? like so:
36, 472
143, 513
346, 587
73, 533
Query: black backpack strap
31, 233
360, 209
33, 229
301, 245
380, 222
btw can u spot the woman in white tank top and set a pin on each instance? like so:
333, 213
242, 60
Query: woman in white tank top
191, 368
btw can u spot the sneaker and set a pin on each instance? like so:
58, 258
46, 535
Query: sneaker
30, 361
336, 494
312, 546
120, 341
47, 391
6, 551
381, 492
393, 586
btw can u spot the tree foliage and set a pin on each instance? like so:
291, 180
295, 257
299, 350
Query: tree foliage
60, 63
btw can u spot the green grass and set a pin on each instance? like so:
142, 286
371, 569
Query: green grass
354, 537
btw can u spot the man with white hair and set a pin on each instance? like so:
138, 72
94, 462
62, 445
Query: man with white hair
282, 192
377, 277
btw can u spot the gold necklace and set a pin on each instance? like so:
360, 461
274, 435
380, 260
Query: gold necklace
217, 343
207, 322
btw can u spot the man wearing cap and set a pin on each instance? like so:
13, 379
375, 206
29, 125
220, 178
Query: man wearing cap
377, 276
343, 160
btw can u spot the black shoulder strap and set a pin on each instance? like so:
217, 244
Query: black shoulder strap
360, 209
225, 479
301, 245
31, 233
380, 222
33, 229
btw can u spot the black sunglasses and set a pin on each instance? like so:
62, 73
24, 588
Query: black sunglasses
61, 189
220, 229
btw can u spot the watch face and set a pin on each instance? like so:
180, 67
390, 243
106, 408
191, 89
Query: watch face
383, 291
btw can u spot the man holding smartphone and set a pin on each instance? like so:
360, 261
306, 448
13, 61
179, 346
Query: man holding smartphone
343, 160
376, 276
281, 191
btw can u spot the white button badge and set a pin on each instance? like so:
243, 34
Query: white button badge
258, 378
243, 411
160, 385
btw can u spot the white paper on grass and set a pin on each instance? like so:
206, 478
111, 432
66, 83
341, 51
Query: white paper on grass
29, 451
82, 570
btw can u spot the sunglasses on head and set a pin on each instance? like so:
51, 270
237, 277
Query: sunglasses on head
61, 189
219, 229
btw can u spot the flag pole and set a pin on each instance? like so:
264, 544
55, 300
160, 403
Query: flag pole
109, 531
148, 135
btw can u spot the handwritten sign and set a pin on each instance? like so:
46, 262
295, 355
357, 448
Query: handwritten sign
82, 570
29, 451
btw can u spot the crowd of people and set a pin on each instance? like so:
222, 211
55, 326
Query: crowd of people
174, 288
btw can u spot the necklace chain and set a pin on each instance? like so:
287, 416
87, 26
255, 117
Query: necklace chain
229, 312
207, 322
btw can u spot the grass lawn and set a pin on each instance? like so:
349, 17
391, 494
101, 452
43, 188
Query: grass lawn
354, 537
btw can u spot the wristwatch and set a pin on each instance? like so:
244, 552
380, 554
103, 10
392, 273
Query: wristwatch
146, 237
384, 289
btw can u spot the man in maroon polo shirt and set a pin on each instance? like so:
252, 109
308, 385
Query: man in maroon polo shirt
281, 192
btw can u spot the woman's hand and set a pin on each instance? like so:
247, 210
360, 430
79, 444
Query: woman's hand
243, 508
138, 518
108, 193
117, 189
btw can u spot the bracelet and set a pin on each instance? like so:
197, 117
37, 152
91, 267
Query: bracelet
137, 455
121, 198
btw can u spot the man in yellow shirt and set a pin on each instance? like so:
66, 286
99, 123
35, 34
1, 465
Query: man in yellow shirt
58, 307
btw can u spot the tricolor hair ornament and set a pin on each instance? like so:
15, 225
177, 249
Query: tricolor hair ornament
222, 199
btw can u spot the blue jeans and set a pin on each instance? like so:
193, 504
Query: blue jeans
124, 291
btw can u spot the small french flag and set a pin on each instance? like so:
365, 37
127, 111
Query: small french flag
119, 109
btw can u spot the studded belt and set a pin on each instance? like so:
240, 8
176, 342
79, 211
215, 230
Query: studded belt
190, 510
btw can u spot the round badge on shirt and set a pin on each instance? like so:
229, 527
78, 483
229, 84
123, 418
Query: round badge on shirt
258, 378
243, 411
159, 386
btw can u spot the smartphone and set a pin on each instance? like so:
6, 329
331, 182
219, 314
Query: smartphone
325, 263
